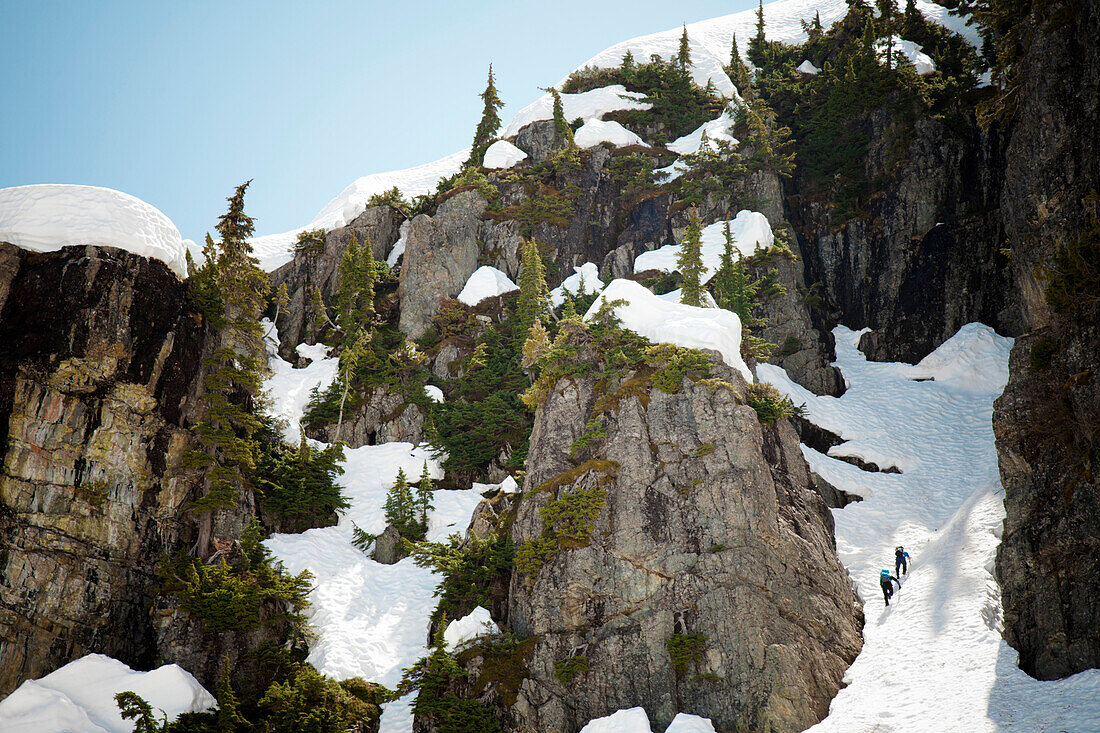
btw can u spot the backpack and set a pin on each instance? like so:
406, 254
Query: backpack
899, 550
884, 576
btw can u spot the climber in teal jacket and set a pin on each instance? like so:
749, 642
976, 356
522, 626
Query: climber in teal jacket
887, 582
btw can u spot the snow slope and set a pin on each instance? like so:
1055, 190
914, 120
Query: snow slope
47, 217
81, 697
934, 660
274, 250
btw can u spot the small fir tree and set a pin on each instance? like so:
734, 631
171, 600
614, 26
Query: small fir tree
758, 44
489, 125
318, 315
690, 262
229, 708
561, 125
349, 361
533, 303
734, 289
738, 72
400, 508
683, 56
425, 493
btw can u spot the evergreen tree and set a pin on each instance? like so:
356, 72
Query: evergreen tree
233, 371
561, 125
400, 508
349, 361
425, 492
537, 344
132, 706
690, 262
229, 709
533, 303
738, 72
757, 44
489, 125
887, 11
912, 22
734, 289
318, 315
683, 56
282, 300
628, 65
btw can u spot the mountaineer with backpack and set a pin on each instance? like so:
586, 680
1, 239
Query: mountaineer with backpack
901, 561
886, 581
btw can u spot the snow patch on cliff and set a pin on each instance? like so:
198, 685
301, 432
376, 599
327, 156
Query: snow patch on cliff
662, 321
47, 217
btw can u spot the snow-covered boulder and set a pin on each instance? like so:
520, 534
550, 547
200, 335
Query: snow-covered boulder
631, 720
922, 62
47, 217
435, 394
661, 321
807, 67
750, 230
477, 623
486, 282
81, 697
585, 278
502, 154
594, 132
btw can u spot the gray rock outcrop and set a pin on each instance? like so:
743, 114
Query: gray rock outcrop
707, 581
441, 252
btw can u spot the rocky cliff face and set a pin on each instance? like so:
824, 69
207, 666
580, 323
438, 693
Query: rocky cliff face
319, 267
99, 361
925, 258
706, 580
1048, 420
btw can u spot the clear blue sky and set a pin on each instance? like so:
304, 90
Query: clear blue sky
178, 102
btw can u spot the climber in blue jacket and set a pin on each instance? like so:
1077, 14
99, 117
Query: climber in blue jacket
886, 581
901, 561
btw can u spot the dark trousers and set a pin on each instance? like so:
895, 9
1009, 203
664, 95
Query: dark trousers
887, 591
900, 566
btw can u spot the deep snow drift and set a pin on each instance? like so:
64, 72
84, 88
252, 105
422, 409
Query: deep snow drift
81, 697
47, 217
